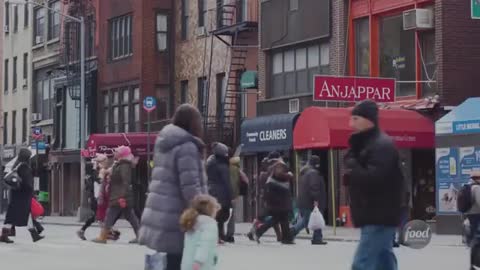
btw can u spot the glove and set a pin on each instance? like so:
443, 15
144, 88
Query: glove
122, 202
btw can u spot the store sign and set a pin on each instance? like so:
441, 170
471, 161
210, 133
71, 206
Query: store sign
328, 88
475, 10
267, 135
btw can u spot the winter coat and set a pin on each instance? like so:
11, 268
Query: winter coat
311, 188
267, 167
178, 176
374, 179
235, 177
121, 183
218, 172
18, 211
278, 189
201, 244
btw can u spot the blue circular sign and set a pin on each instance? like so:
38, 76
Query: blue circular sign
149, 104
37, 131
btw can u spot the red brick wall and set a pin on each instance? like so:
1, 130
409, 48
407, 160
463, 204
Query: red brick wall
458, 51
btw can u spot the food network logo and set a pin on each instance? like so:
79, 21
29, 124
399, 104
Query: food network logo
416, 234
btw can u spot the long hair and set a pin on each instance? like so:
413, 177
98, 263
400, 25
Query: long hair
201, 205
189, 118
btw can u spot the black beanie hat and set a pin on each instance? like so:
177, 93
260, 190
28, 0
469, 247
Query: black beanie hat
367, 109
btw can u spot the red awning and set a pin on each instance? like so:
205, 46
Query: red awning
106, 143
329, 128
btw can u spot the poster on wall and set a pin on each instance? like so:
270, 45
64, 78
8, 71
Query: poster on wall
448, 180
469, 161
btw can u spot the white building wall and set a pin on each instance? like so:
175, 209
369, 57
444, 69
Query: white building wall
16, 44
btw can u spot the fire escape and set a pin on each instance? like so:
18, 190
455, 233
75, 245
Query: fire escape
234, 28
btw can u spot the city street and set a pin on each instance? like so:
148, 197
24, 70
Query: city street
62, 250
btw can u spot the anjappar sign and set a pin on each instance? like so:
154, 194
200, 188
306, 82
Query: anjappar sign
329, 88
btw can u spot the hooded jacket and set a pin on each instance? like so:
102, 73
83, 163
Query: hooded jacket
178, 176
218, 173
311, 188
374, 179
278, 188
121, 183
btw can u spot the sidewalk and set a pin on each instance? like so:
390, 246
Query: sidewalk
341, 234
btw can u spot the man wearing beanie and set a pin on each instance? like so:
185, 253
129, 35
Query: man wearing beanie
375, 183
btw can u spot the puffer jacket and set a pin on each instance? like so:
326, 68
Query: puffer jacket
311, 188
178, 176
121, 183
218, 172
374, 179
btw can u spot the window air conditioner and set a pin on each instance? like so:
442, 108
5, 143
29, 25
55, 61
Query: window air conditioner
418, 19
294, 105
5, 29
24, 82
38, 39
201, 31
36, 117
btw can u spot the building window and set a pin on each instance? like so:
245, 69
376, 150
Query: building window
90, 36
14, 73
184, 26
54, 20
162, 32
136, 109
201, 84
293, 69
15, 18
24, 125
5, 76
7, 17
429, 64
121, 37
25, 68
26, 14
115, 111
293, 5
125, 110
397, 55
362, 47
5, 128
39, 26
221, 89
14, 127
183, 92
202, 13
162, 102
106, 112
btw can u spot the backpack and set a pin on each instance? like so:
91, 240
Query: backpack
465, 198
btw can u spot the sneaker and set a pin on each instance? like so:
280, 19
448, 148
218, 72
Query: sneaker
134, 241
396, 245
320, 243
230, 239
288, 242
81, 235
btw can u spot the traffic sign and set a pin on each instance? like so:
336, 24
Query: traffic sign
149, 104
40, 146
37, 133
475, 9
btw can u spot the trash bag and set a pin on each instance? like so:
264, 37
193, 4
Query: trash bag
316, 221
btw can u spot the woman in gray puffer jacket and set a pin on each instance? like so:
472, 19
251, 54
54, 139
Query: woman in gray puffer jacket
178, 176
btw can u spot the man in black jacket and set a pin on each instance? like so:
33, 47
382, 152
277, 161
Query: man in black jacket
375, 184
312, 191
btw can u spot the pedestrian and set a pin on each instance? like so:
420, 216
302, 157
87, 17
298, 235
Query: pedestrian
375, 183
266, 168
219, 185
99, 176
239, 183
201, 234
278, 200
121, 194
312, 191
18, 213
473, 216
178, 176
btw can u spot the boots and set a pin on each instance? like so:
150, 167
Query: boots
278, 233
4, 237
102, 239
12, 232
38, 226
114, 235
81, 235
35, 235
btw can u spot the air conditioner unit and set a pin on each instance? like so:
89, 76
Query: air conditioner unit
419, 19
38, 39
36, 117
201, 31
6, 29
294, 105
24, 82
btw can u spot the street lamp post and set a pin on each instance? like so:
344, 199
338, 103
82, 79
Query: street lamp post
83, 210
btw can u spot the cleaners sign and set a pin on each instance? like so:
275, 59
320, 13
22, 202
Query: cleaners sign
328, 88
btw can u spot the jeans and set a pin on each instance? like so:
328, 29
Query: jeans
375, 250
303, 224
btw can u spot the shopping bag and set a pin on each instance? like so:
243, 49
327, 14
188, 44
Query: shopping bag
36, 208
316, 221
155, 261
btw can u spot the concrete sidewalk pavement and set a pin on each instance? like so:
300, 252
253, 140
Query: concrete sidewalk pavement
339, 234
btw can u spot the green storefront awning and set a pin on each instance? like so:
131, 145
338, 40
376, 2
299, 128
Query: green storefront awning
249, 80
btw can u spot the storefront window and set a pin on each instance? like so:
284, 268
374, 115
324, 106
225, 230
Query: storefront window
429, 64
397, 55
362, 47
